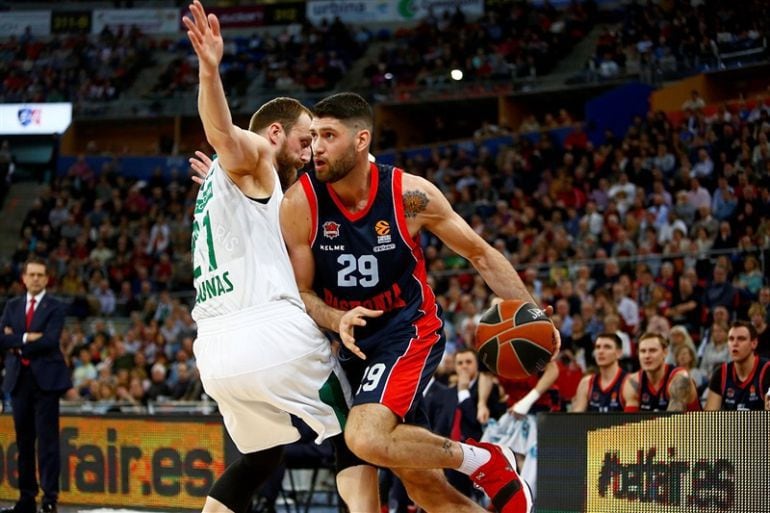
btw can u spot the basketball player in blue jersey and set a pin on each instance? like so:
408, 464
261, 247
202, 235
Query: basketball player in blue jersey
602, 391
352, 229
260, 356
740, 384
658, 386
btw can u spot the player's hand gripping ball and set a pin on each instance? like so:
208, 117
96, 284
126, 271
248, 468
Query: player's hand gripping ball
515, 339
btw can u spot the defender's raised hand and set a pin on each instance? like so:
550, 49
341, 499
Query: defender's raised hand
205, 36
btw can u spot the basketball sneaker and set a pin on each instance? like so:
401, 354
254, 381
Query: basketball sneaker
500, 481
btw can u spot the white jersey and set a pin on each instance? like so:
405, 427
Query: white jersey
239, 256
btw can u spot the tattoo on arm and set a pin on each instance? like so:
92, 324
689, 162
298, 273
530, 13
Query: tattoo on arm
447, 446
634, 384
414, 202
680, 392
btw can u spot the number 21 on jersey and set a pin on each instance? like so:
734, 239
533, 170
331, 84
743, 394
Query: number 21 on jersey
204, 196
210, 254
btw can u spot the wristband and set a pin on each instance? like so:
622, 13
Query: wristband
525, 403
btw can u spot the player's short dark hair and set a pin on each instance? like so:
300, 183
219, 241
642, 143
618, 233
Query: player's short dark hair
283, 110
350, 108
612, 336
466, 349
746, 324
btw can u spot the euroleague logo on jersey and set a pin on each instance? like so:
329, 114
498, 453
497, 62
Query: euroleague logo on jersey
331, 229
382, 229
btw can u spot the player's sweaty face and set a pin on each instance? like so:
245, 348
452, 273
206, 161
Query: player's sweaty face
295, 150
334, 152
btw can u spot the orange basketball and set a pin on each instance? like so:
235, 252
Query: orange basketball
515, 339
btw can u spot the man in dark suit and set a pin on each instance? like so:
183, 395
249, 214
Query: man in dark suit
467, 415
35, 376
439, 406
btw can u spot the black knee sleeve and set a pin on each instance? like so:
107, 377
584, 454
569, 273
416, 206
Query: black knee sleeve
240, 480
343, 456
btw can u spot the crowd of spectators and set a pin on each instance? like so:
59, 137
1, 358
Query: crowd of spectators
72, 67
522, 40
80, 67
655, 229
118, 252
661, 39
301, 58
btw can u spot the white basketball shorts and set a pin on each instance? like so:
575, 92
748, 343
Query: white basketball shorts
262, 364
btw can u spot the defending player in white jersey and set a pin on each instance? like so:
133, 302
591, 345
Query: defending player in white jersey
260, 355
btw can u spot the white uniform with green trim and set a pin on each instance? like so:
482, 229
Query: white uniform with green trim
259, 354
240, 259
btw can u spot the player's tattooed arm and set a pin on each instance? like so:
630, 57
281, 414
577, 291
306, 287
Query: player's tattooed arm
634, 382
428, 208
681, 393
631, 393
415, 202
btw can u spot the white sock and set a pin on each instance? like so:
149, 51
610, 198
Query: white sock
473, 458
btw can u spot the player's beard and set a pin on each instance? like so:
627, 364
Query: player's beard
338, 169
287, 167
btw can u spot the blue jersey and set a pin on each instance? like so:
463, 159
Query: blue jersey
657, 399
368, 258
748, 394
650, 398
606, 399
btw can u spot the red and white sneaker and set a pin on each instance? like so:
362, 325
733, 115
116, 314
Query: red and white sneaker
500, 481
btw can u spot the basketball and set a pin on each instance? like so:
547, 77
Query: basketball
515, 339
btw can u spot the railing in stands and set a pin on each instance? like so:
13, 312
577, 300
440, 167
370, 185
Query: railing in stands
204, 407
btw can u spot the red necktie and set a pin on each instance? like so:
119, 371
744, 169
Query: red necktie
456, 433
30, 313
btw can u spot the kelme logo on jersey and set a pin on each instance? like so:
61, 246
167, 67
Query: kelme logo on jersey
331, 229
382, 228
